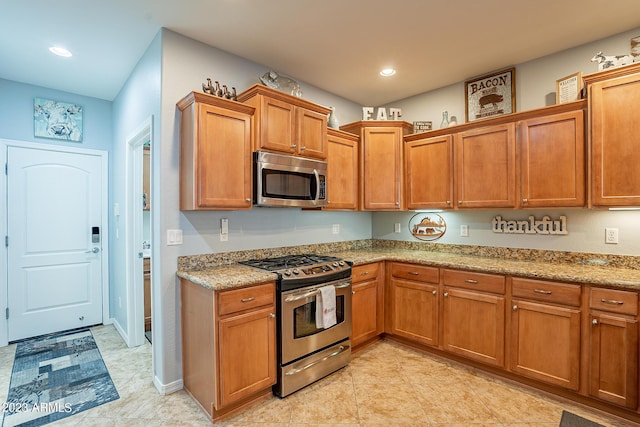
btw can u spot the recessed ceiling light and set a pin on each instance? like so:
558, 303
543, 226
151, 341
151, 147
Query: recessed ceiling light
387, 72
60, 51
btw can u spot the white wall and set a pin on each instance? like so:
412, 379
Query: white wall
535, 88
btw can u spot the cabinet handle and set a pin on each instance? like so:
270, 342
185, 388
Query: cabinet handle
611, 301
272, 315
448, 202
515, 307
542, 291
525, 200
293, 146
247, 200
247, 299
446, 294
594, 322
303, 148
397, 203
353, 292
459, 202
471, 281
414, 273
434, 292
364, 273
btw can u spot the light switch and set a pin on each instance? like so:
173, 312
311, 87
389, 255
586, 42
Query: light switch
174, 237
224, 229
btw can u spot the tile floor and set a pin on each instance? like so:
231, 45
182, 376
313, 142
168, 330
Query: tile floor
386, 384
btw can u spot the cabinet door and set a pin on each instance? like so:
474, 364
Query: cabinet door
474, 325
276, 126
365, 314
613, 359
415, 311
615, 141
545, 343
429, 168
553, 161
311, 133
247, 354
485, 167
342, 172
381, 178
223, 159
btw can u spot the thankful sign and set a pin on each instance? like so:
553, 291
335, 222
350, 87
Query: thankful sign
546, 225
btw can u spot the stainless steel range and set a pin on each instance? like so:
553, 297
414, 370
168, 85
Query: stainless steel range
307, 352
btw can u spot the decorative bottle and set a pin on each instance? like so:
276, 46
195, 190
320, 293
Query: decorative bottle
445, 119
333, 119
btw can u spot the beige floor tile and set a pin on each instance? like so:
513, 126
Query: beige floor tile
388, 403
445, 404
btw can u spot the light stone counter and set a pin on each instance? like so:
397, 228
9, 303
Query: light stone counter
577, 268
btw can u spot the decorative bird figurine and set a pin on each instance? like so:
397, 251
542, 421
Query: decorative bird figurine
208, 88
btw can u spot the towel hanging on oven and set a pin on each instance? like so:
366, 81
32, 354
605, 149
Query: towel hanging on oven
326, 307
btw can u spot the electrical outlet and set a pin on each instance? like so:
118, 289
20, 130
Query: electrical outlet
396, 227
611, 236
224, 229
336, 229
464, 230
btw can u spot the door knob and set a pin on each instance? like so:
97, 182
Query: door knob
93, 251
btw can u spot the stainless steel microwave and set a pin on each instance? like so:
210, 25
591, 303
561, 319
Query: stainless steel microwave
288, 181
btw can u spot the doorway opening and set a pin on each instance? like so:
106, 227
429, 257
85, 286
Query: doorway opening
139, 242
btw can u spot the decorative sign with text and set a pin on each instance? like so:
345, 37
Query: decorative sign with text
394, 113
530, 226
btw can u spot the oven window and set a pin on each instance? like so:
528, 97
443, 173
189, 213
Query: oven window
304, 318
288, 185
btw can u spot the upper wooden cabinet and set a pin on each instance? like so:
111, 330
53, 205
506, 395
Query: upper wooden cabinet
287, 124
552, 159
381, 164
614, 135
428, 165
530, 159
215, 153
485, 167
342, 170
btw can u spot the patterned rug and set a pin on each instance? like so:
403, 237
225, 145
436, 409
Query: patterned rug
54, 377
572, 420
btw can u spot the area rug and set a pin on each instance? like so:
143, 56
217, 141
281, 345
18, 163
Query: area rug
572, 420
54, 377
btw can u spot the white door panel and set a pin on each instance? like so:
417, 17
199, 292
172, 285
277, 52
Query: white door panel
55, 271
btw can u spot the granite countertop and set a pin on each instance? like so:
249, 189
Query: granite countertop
235, 275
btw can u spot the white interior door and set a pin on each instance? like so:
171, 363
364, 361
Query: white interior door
55, 224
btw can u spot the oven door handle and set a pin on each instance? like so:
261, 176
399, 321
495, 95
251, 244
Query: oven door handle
340, 350
292, 298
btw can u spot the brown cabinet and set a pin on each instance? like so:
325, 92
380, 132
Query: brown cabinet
545, 331
414, 302
228, 344
287, 124
552, 165
367, 302
429, 172
342, 170
381, 164
474, 316
613, 349
215, 153
614, 107
485, 167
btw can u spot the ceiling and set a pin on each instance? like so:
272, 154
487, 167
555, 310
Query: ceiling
336, 45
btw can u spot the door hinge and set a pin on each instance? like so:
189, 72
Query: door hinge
6, 169
6, 241
7, 313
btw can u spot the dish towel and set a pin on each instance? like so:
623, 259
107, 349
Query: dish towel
326, 307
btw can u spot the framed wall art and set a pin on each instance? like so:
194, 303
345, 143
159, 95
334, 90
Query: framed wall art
57, 120
490, 95
569, 88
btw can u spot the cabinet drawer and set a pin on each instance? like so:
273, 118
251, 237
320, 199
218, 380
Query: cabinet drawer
415, 272
365, 272
615, 301
477, 281
246, 298
540, 290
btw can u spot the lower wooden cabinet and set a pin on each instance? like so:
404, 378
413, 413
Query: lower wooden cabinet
228, 345
613, 349
545, 332
367, 302
414, 301
474, 316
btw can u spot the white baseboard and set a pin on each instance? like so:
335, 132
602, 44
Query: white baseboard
164, 389
120, 330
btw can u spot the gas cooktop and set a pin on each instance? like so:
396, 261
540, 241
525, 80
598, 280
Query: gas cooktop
303, 269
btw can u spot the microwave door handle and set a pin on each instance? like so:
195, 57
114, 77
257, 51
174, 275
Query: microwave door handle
315, 172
